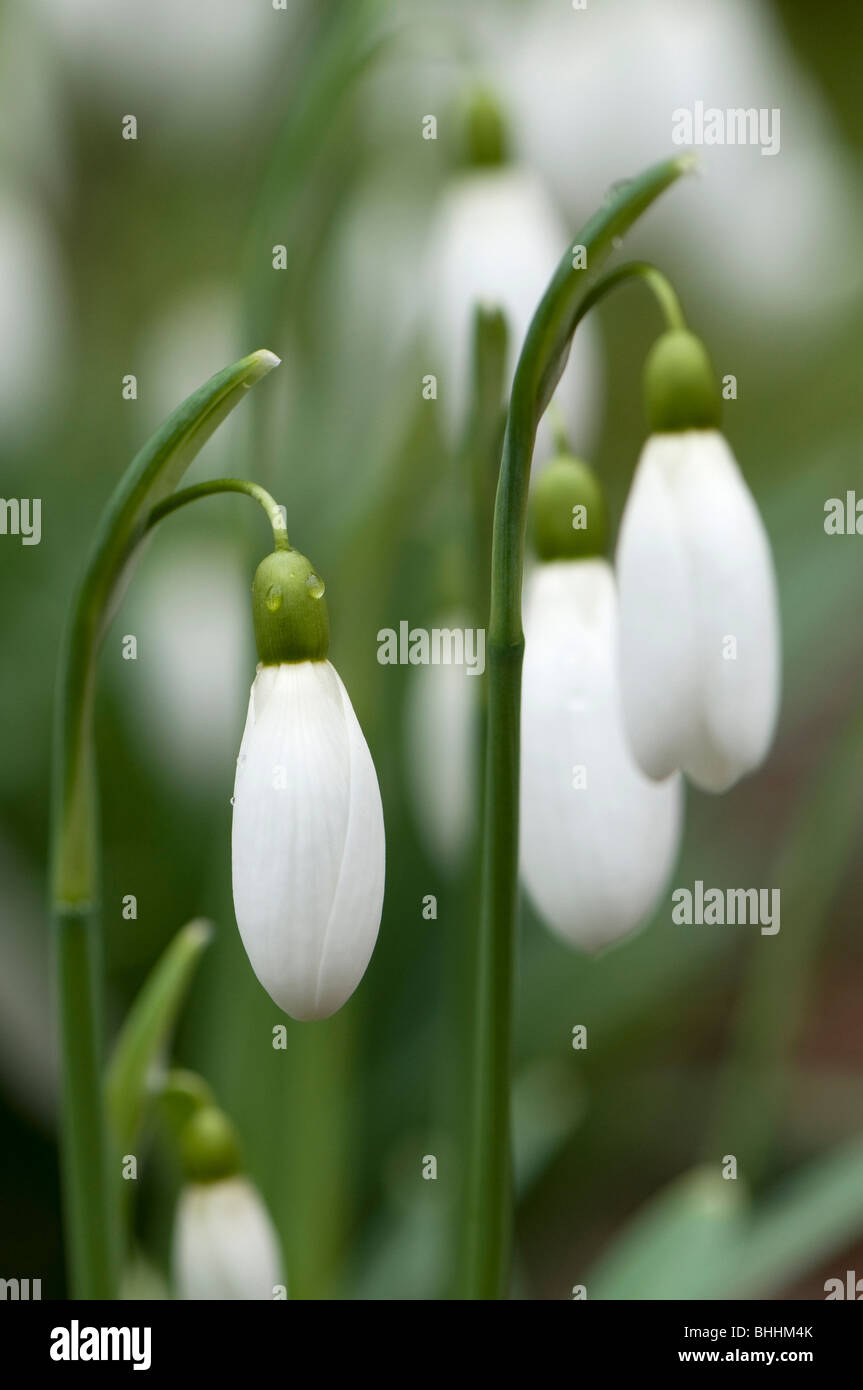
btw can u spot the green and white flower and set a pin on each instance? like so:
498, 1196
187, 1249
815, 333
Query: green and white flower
225, 1246
495, 240
598, 837
308, 830
700, 657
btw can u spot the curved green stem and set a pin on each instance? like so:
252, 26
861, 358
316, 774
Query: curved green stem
662, 288
91, 1244
220, 485
487, 1215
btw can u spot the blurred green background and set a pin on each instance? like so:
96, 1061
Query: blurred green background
153, 257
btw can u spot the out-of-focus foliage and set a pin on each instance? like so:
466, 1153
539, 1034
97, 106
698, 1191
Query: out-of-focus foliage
154, 258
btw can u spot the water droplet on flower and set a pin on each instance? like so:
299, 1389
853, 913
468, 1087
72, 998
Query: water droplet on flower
274, 598
315, 586
618, 186
233, 801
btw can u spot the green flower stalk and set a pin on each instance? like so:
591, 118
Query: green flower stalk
92, 1244
488, 1188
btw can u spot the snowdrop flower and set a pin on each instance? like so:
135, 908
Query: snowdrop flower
598, 838
496, 240
308, 831
698, 607
225, 1245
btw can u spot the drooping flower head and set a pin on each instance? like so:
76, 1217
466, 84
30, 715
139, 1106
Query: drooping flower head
495, 240
698, 603
598, 837
308, 831
225, 1245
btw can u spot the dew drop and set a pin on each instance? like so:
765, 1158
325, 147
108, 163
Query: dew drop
315, 586
619, 186
274, 598
233, 801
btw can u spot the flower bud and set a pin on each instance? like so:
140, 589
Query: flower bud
680, 389
569, 516
209, 1146
290, 611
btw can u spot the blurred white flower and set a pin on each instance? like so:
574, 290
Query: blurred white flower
308, 839
496, 240
598, 838
225, 1245
699, 628
189, 614
441, 736
195, 66
592, 94
32, 315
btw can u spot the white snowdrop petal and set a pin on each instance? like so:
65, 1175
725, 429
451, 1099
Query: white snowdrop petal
355, 912
598, 838
308, 841
699, 613
657, 622
737, 615
225, 1246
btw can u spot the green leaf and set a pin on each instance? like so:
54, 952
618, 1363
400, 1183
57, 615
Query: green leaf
152, 475
816, 1213
147, 1029
680, 1245
700, 1238
155, 472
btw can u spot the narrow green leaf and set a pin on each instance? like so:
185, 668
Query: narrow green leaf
700, 1238
816, 1213
680, 1245
146, 1031
152, 475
